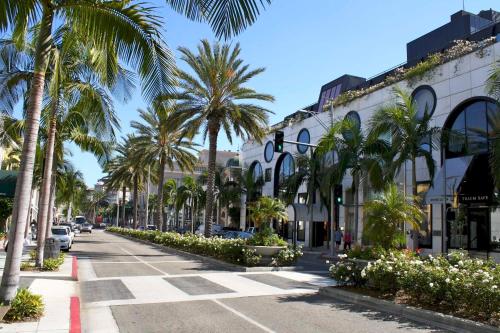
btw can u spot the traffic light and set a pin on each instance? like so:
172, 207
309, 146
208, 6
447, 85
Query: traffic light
279, 138
338, 195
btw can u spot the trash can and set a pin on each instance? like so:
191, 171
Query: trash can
52, 248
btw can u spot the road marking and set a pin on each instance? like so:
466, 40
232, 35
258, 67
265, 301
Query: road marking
144, 262
241, 315
138, 262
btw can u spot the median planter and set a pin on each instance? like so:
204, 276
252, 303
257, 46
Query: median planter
3, 310
267, 252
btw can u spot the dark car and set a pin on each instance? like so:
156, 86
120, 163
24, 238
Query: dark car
151, 227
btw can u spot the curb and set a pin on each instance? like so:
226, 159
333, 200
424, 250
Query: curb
427, 317
213, 260
74, 315
74, 269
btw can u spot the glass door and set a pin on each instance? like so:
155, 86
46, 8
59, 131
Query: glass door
478, 221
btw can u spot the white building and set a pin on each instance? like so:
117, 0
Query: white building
455, 93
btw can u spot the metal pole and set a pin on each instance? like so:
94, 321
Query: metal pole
444, 226
333, 249
117, 207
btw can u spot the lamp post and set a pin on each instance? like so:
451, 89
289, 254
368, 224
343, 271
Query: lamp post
332, 204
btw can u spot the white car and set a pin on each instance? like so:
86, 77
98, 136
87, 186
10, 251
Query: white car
62, 234
86, 227
71, 233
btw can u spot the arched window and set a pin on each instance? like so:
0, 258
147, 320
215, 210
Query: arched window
257, 174
355, 119
285, 167
304, 137
425, 100
468, 129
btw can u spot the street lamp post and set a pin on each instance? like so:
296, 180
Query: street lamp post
332, 204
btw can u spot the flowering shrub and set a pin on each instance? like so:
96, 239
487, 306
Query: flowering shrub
250, 257
287, 257
465, 286
346, 272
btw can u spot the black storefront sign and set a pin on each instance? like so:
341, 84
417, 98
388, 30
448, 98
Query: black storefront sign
474, 198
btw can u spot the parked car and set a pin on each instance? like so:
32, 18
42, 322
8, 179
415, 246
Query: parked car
216, 229
62, 234
151, 227
71, 233
86, 227
251, 230
237, 234
79, 221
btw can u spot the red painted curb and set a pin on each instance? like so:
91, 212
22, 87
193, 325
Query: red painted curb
74, 315
74, 269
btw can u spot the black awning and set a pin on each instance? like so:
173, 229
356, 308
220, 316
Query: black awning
8, 181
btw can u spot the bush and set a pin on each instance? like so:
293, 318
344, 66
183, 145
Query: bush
53, 264
230, 250
465, 286
346, 272
27, 266
266, 237
25, 306
287, 257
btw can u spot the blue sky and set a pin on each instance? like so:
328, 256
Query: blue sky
305, 44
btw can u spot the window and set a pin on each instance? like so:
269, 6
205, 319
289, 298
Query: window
302, 198
355, 123
285, 167
269, 152
469, 128
268, 174
256, 170
425, 100
425, 232
305, 138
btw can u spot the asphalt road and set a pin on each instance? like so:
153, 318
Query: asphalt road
127, 286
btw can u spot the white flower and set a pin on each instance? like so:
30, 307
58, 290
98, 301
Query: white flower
460, 263
328, 261
348, 268
363, 273
389, 268
431, 284
346, 278
486, 281
494, 286
447, 280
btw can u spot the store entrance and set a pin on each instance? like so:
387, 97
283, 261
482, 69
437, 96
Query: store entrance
478, 222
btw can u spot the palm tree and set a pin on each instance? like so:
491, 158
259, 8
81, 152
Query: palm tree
170, 199
216, 98
191, 193
357, 154
493, 86
265, 209
162, 139
129, 28
70, 184
386, 216
408, 131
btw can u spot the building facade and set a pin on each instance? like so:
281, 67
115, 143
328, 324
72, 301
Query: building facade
461, 203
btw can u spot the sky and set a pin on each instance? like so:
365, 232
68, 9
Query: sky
304, 44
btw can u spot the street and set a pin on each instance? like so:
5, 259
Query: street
127, 286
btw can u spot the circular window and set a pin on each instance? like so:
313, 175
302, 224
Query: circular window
425, 100
305, 138
269, 152
354, 122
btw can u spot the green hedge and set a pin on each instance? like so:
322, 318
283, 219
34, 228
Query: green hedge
230, 250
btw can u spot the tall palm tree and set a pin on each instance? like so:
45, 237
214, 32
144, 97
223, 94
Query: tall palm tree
161, 138
170, 199
191, 193
216, 98
408, 131
363, 157
70, 184
131, 29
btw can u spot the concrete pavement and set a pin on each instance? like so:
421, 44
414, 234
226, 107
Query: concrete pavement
127, 286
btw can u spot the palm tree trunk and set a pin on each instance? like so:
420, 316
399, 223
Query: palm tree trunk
193, 214
136, 199
414, 233
124, 218
161, 180
68, 213
50, 216
10, 278
212, 154
43, 207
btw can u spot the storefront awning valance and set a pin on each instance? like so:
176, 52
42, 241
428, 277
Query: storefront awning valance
8, 181
451, 174
301, 212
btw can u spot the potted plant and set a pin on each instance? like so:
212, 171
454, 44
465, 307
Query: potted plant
265, 242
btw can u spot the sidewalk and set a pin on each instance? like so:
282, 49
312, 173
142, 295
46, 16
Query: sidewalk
56, 288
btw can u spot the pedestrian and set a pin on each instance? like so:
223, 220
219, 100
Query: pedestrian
338, 238
347, 239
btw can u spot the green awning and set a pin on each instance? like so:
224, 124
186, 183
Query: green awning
8, 181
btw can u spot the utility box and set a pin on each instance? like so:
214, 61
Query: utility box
52, 248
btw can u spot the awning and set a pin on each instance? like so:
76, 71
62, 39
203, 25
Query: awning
300, 212
454, 170
8, 181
